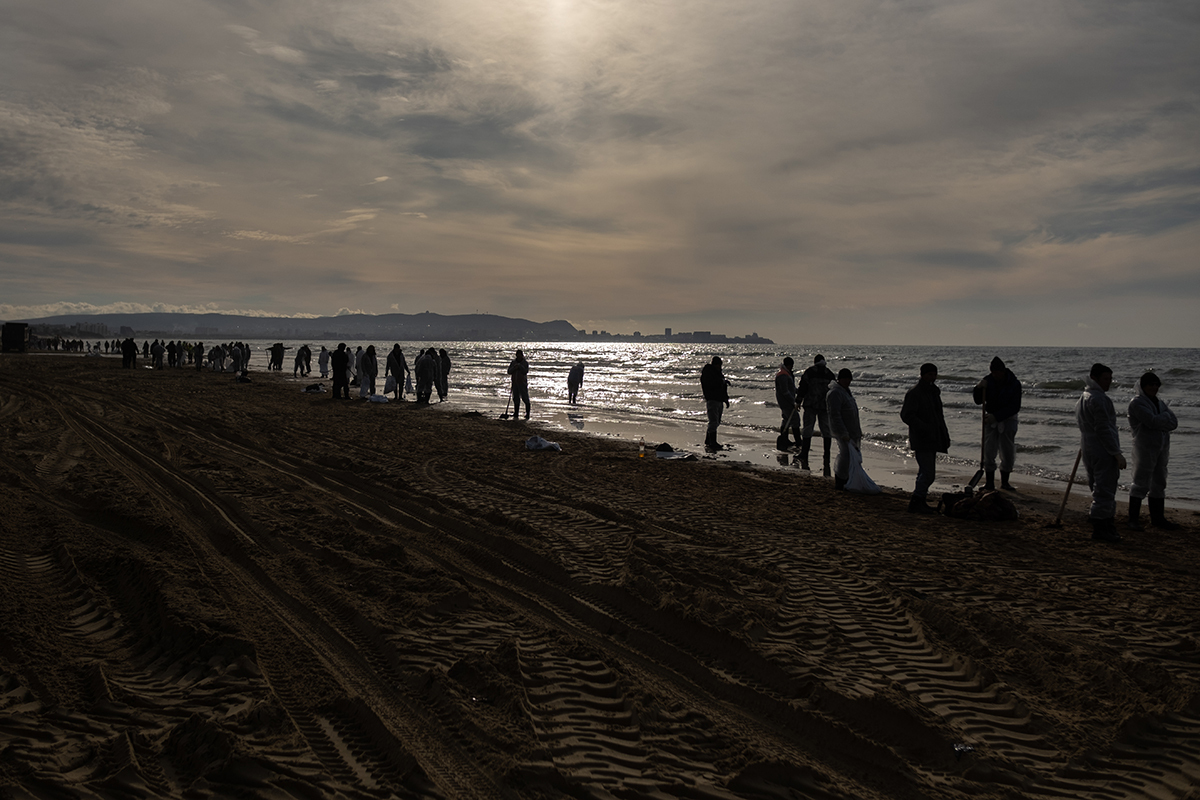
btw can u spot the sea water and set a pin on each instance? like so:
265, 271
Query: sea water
655, 383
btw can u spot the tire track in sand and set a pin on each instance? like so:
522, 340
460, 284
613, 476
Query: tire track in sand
221, 533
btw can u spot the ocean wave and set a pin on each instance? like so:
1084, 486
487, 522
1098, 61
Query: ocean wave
1037, 448
1180, 371
1062, 386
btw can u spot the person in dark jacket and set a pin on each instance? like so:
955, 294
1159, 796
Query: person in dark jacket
716, 398
443, 387
426, 369
129, 353
927, 433
519, 370
397, 366
814, 385
340, 361
1000, 395
574, 381
785, 398
368, 371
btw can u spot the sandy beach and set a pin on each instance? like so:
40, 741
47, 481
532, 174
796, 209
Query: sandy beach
214, 589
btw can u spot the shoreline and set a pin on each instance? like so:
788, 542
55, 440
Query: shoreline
890, 470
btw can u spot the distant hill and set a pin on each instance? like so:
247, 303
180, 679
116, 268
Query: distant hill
401, 327
424, 327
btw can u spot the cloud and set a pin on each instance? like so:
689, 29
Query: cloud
576, 159
62, 308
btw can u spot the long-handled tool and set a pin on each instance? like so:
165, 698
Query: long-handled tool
781, 441
982, 446
1062, 507
506, 405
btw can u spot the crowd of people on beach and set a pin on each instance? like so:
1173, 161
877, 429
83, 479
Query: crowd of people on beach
818, 400
815, 403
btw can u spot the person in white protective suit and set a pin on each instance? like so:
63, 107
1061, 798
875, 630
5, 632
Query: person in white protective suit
843, 424
1100, 445
1152, 421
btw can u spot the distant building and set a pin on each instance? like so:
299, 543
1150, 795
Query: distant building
15, 337
668, 333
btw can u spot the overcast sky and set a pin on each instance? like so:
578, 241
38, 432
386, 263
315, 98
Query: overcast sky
834, 171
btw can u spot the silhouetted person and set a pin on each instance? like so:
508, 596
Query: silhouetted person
1000, 395
443, 374
574, 381
340, 362
785, 398
519, 370
843, 425
323, 362
397, 366
1100, 444
1152, 422
368, 369
814, 385
716, 399
129, 354
426, 370
927, 433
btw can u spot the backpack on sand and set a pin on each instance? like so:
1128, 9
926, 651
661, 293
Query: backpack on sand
983, 507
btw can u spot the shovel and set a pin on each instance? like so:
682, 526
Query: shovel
1058, 520
506, 405
781, 441
982, 447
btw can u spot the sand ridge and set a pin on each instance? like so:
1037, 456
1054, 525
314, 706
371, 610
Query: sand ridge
216, 589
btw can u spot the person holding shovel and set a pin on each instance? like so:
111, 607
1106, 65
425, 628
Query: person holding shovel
1000, 395
785, 398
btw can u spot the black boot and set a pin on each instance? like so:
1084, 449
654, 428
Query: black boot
1004, 484
989, 482
838, 483
1105, 530
917, 505
1158, 514
826, 471
1135, 513
804, 446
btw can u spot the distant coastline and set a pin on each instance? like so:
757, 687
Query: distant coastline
353, 327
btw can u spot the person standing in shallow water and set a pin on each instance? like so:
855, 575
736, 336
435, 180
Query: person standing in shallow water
927, 434
1100, 445
519, 370
785, 398
443, 374
1152, 421
1000, 395
716, 399
574, 381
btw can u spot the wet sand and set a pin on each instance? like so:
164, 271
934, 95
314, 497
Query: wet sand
214, 589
